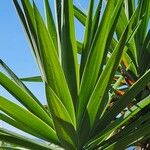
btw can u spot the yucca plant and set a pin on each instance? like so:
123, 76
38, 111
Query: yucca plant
81, 112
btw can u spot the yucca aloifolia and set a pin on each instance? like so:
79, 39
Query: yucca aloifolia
81, 112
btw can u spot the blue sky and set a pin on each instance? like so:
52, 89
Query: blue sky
14, 48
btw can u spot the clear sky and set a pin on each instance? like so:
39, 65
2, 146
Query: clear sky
14, 48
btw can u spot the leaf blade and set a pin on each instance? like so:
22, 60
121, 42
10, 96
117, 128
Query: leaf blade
69, 50
26, 118
25, 99
54, 73
95, 59
20, 140
62, 121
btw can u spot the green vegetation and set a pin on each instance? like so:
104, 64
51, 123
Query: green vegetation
100, 103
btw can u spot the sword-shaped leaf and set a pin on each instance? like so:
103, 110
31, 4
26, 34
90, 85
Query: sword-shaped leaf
32, 79
54, 73
95, 58
130, 138
64, 126
50, 23
87, 37
25, 99
28, 119
14, 138
69, 50
27, 20
98, 99
20, 83
141, 34
18, 125
132, 112
131, 93
80, 15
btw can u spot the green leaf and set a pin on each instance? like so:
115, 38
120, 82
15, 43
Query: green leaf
130, 25
50, 23
27, 20
122, 22
69, 50
79, 47
58, 11
87, 37
24, 98
18, 125
126, 60
141, 34
23, 21
129, 7
145, 55
28, 119
130, 127
99, 97
13, 76
62, 121
130, 94
91, 70
54, 73
109, 40
20, 140
130, 138
8, 148
96, 19
32, 79
20, 83
80, 15
132, 112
